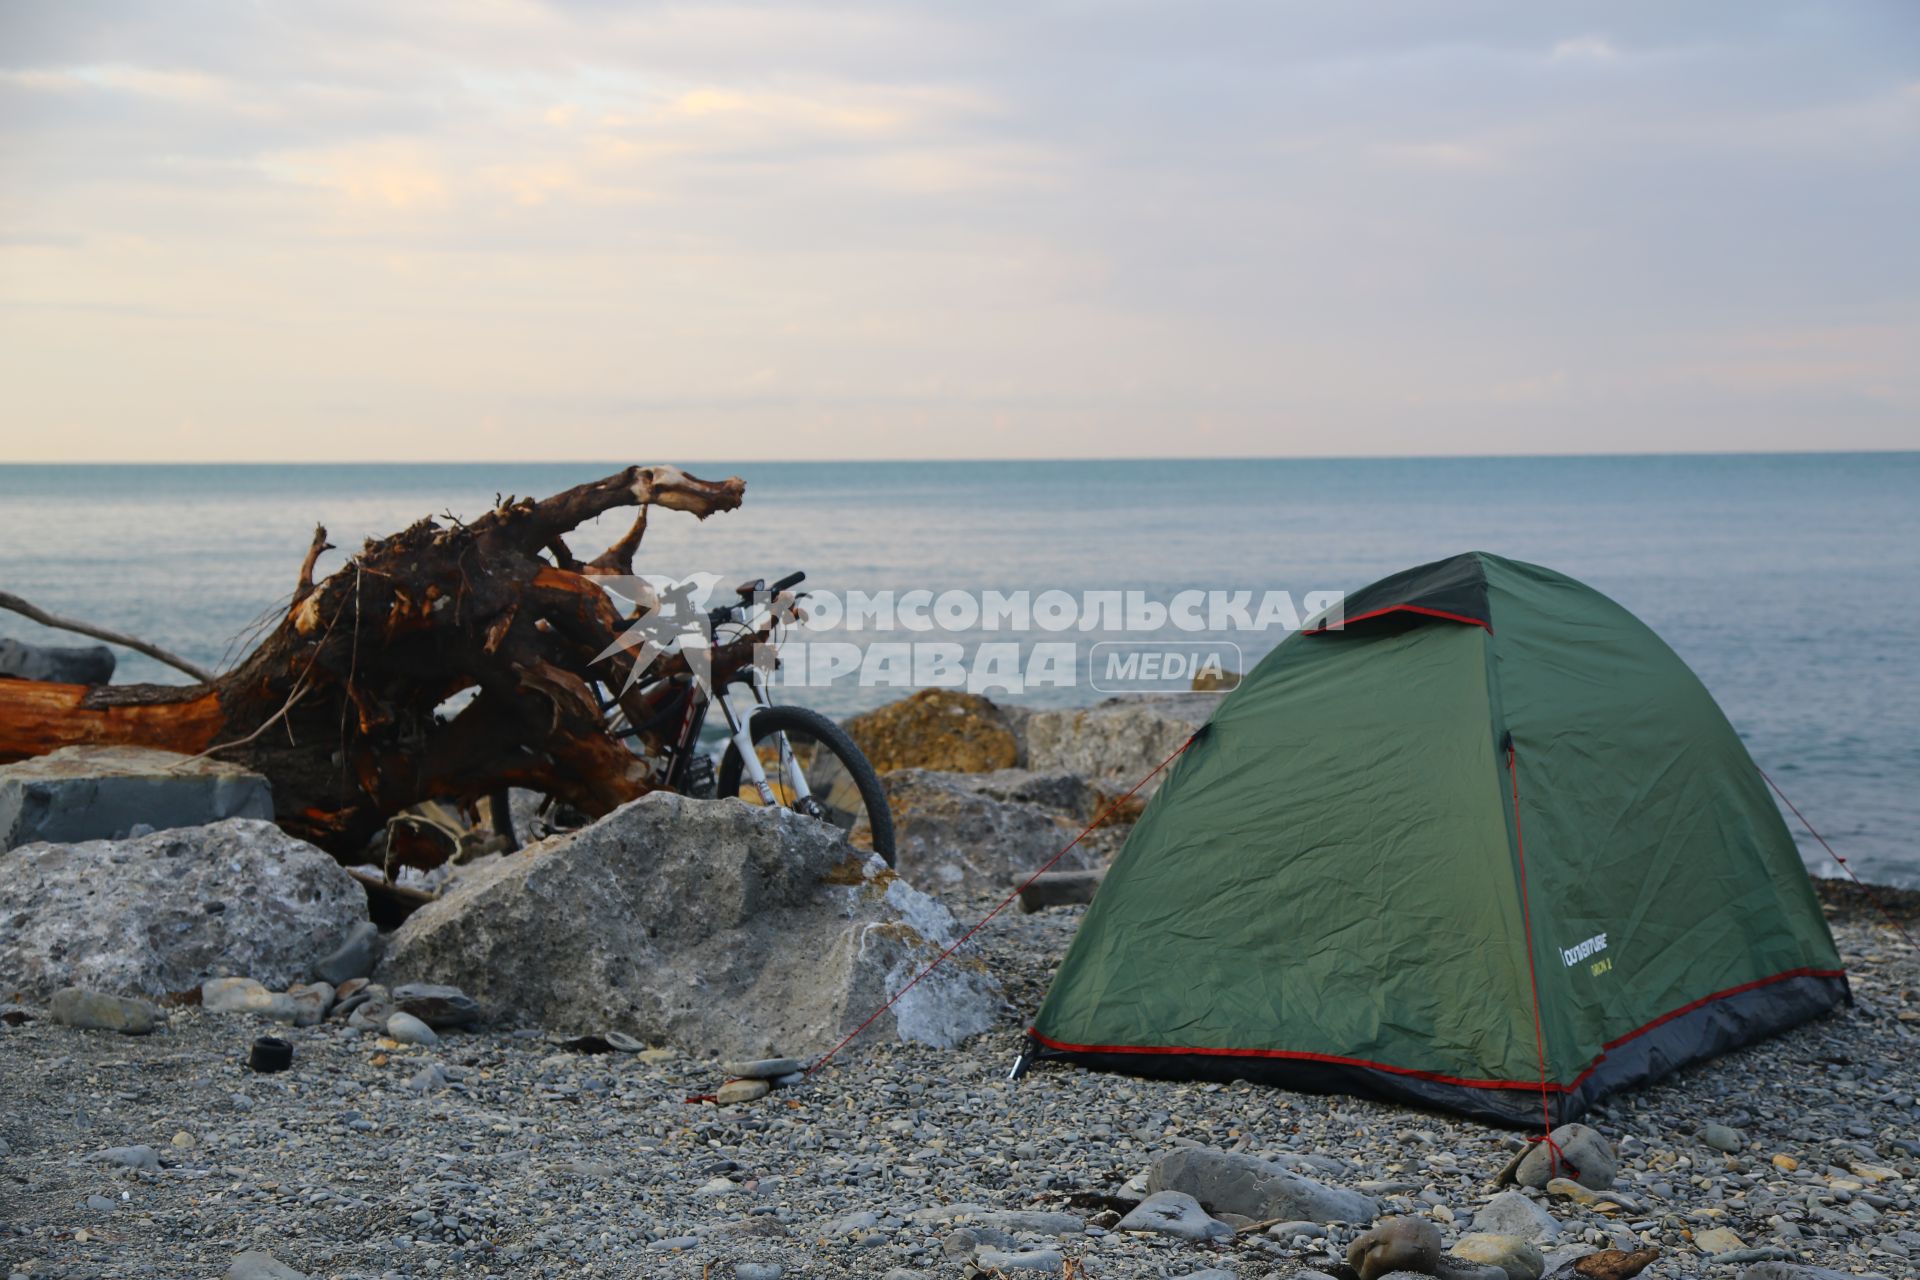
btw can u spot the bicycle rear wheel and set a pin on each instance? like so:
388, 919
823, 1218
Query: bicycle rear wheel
844, 788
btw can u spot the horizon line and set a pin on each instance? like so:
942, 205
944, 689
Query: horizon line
1223, 457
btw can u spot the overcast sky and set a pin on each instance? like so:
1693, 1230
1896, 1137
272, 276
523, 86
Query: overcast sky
467, 228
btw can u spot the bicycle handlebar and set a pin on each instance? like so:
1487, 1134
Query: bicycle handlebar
749, 592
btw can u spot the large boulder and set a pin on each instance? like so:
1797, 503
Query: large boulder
967, 833
937, 729
1232, 1182
103, 793
161, 914
728, 929
1119, 741
62, 664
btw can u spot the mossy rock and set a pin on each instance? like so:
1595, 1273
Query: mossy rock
940, 729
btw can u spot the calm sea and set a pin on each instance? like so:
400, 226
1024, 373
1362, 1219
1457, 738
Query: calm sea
1791, 584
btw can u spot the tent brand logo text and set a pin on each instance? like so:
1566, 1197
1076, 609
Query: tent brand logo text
1579, 951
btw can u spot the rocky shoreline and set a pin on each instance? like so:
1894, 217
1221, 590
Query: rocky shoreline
499, 1153
536, 1074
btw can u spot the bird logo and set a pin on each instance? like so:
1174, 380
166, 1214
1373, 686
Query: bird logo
669, 615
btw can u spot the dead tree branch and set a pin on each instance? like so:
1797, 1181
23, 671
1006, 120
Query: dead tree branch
10, 601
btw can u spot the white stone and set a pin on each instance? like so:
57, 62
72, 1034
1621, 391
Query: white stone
244, 995
408, 1029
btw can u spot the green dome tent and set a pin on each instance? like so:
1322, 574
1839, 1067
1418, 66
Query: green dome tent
1489, 846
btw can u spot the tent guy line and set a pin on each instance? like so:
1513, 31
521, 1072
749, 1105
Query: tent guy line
1872, 894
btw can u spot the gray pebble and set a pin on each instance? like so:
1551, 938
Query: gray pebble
1047, 1260
1395, 1244
1801, 1271
1175, 1213
440, 1007
673, 1242
763, 1068
353, 958
854, 1224
1764, 1253
408, 1029
737, 1091
140, 1157
256, 1265
1514, 1213
967, 1241
431, 1078
1723, 1138
96, 1011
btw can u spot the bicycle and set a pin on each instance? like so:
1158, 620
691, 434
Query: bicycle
780, 754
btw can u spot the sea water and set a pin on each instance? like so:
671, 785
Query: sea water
1790, 583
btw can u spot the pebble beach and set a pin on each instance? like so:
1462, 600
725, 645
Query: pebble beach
503, 1153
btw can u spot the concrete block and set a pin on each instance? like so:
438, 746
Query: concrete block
104, 793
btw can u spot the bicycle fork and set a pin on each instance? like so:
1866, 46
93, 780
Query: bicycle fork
740, 728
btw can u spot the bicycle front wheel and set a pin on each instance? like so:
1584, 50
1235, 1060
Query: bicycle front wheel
843, 788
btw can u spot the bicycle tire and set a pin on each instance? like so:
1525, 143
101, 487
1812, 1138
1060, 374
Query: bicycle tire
768, 721
499, 814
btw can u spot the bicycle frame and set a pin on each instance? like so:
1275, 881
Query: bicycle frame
739, 717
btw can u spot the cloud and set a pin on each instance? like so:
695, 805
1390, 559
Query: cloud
951, 230
1842, 359
1584, 49
388, 174
1542, 389
1465, 157
142, 82
536, 183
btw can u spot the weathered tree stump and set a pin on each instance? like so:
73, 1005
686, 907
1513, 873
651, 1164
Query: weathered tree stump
337, 706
